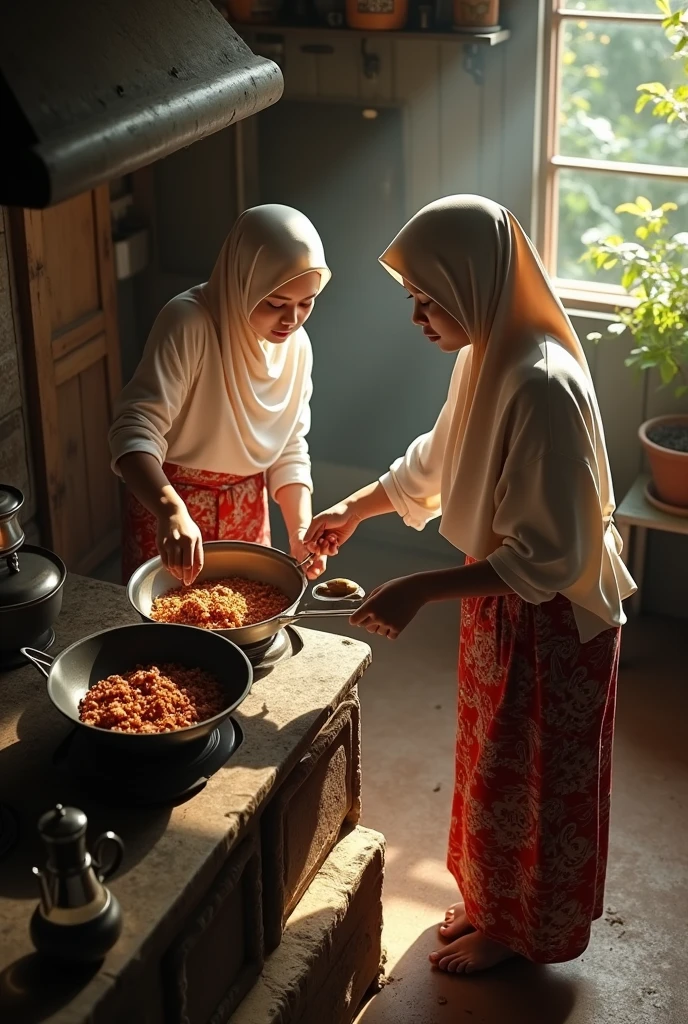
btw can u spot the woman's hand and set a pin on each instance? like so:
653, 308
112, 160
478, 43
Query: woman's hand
389, 608
299, 551
330, 530
180, 544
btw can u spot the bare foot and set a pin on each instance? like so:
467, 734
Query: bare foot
470, 953
455, 922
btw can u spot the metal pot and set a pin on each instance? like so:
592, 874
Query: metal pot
31, 583
235, 558
120, 649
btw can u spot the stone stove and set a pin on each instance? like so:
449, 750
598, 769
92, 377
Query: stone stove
209, 888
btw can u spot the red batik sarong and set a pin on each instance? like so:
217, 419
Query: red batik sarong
530, 819
223, 507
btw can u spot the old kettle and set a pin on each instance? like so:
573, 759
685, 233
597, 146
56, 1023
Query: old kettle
78, 918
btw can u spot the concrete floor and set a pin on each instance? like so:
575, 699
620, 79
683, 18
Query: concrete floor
636, 968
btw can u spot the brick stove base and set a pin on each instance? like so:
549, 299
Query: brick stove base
331, 951
210, 887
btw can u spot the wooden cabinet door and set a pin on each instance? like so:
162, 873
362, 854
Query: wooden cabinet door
66, 280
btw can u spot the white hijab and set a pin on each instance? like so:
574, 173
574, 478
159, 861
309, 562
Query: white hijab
267, 247
472, 257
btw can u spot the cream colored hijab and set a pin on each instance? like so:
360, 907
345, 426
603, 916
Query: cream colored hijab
266, 383
472, 257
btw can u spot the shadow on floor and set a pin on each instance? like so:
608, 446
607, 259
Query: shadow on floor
517, 992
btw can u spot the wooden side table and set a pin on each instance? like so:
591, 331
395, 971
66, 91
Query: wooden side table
634, 517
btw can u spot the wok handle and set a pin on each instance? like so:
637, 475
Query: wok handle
40, 659
316, 613
306, 560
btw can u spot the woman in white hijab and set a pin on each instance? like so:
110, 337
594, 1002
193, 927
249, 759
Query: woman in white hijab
517, 468
218, 410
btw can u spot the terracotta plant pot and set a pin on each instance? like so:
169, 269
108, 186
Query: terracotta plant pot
669, 467
476, 15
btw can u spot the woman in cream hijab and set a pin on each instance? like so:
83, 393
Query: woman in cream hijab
516, 466
218, 411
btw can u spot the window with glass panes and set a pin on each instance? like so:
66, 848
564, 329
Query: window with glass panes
600, 152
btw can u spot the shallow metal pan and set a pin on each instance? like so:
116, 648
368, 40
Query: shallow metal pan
120, 649
235, 558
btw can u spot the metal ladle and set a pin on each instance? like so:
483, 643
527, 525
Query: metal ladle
319, 594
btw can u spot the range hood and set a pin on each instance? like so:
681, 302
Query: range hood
94, 89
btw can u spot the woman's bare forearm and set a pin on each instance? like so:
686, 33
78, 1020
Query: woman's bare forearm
144, 476
295, 503
478, 579
371, 500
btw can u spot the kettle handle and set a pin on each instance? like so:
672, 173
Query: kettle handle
40, 659
107, 869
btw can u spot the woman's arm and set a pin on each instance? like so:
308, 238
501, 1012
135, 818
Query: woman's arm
144, 476
391, 607
332, 528
478, 579
178, 538
295, 503
411, 488
144, 414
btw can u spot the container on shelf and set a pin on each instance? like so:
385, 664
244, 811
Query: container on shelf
377, 15
425, 17
331, 13
476, 15
254, 12
297, 12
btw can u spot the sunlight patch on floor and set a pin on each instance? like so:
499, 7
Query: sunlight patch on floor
428, 870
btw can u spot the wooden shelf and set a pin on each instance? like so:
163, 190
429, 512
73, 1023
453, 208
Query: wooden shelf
493, 38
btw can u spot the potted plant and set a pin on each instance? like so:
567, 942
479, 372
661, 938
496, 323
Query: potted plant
655, 276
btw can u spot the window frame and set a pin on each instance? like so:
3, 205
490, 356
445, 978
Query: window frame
579, 294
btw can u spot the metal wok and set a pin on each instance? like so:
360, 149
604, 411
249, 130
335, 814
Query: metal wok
235, 558
114, 651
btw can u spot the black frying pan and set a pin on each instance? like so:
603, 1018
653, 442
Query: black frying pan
121, 649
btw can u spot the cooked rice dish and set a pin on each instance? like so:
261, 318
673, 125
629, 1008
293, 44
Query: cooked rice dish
153, 699
220, 604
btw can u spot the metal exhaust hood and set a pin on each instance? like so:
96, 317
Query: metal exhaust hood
94, 89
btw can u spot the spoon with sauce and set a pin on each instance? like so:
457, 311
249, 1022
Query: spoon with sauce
338, 590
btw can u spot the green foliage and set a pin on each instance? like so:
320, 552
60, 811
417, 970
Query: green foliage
653, 266
601, 65
670, 104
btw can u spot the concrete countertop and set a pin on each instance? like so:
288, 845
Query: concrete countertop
172, 854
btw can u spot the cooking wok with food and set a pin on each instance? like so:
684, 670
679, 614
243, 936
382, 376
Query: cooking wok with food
116, 651
225, 559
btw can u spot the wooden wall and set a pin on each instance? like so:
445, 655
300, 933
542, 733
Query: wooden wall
63, 262
460, 136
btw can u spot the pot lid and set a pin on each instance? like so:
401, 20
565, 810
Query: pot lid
40, 574
62, 823
11, 500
